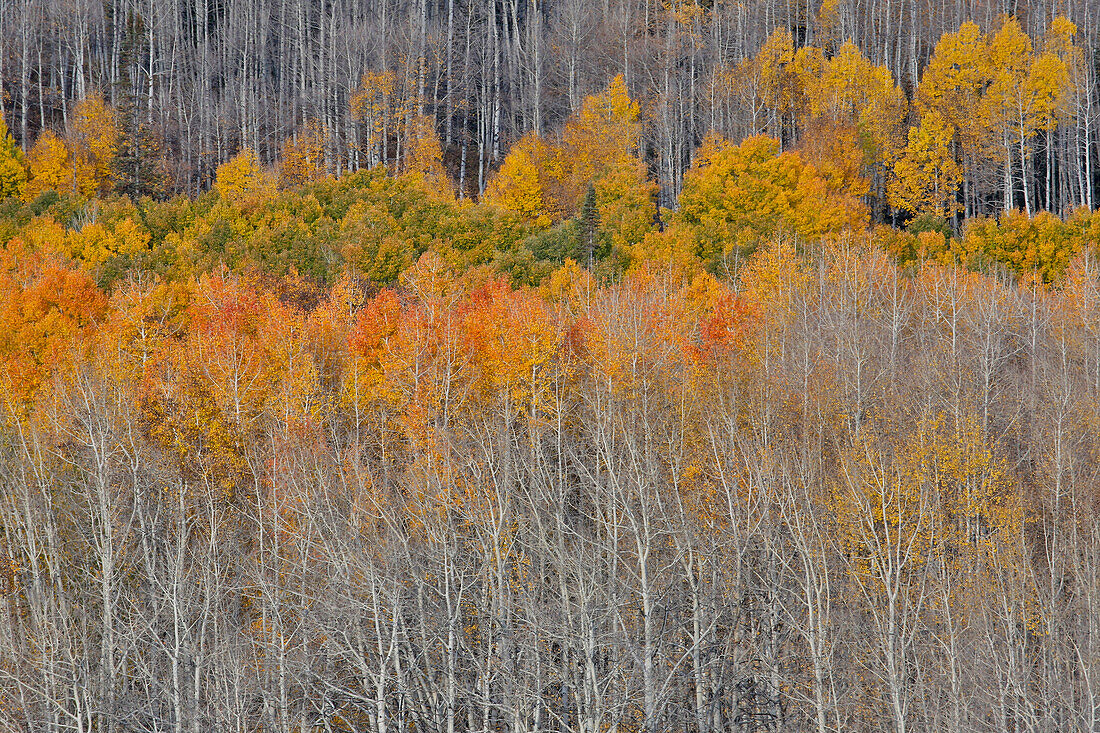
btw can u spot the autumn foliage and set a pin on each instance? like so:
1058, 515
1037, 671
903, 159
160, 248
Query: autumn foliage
334, 447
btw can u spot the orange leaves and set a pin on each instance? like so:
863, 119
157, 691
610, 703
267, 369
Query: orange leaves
491, 344
241, 368
379, 352
511, 337
375, 324
727, 329
47, 309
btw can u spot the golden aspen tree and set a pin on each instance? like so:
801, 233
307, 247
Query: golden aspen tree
95, 134
625, 199
953, 84
848, 88
673, 248
241, 180
602, 135
835, 152
524, 182
1040, 245
767, 82
953, 81
93, 244
13, 176
303, 156
925, 178
1058, 42
1072, 102
1022, 97
49, 167
736, 196
424, 155
828, 24
372, 108
511, 337
546, 182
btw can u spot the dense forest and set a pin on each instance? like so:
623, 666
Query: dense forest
585, 367
195, 82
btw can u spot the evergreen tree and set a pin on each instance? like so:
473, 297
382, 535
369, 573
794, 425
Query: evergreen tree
138, 164
138, 168
590, 224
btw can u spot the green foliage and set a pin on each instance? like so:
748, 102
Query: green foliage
589, 218
930, 223
375, 226
138, 166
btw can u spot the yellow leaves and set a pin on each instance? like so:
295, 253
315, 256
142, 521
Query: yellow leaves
1048, 79
303, 158
569, 284
523, 183
377, 108
242, 181
424, 155
545, 181
925, 179
95, 243
381, 353
81, 165
833, 149
95, 137
767, 83
673, 248
625, 201
1024, 90
604, 129
375, 245
1041, 245
934, 492
13, 177
738, 195
603, 136
772, 279
952, 83
848, 88
771, 64
49, 167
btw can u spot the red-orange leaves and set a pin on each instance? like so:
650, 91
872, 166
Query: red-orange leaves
727, 328
375, 324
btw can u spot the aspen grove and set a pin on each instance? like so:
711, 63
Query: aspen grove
580, 367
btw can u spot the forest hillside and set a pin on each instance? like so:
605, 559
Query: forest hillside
735, 368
